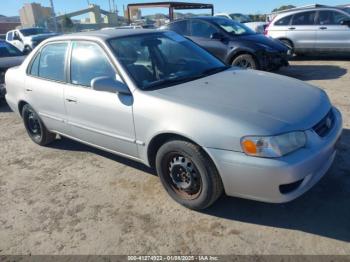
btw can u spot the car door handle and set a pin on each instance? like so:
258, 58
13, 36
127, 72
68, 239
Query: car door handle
291, 28
29, 90
71, 100
323, 28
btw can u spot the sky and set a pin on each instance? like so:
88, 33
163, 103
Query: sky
11, 7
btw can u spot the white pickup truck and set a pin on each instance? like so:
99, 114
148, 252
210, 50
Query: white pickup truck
28, 38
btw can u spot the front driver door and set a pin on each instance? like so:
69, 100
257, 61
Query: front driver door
201, 33
99, 118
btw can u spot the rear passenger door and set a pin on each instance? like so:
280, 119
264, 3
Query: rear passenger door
45, 84
331, 34
302, 31
99, 118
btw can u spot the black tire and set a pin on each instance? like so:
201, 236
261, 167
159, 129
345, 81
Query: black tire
178, 160
27, 50
35, 127
245, 61
290, 46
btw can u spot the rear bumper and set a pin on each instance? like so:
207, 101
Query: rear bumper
278, 180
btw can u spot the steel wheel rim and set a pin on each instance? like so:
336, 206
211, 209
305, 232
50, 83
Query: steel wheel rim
183, 176
243, 63
33, 124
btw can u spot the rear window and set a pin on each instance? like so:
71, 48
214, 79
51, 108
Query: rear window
283, 21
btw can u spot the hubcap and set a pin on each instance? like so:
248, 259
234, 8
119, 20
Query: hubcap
243, 63
184, 176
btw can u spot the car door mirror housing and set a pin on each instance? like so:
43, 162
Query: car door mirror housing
345, 22
108, 84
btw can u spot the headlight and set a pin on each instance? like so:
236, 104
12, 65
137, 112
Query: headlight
273, 146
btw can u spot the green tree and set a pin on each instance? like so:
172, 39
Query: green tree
283, 7
67, 24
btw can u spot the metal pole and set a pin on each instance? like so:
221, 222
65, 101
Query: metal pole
53, 15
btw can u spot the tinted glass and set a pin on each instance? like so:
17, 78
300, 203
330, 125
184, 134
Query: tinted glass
241, 18
179, 27
88, 62
159, 60
305, 18
52, 61
331, 18
202, 29
233, 27
33, 31
284, 21
8, 50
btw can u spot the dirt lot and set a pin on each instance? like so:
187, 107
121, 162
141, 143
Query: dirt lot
72, 199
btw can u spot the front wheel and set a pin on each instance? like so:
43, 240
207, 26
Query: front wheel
35, 127
188, 175
245, 61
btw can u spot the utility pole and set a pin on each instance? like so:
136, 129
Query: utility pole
53, 15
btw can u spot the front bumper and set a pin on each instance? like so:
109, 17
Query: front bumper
282, 179
273, 60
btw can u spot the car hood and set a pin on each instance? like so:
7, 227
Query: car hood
267, 41
7, 62
261, 101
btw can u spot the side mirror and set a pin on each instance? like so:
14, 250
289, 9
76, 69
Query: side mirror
345, 22
217, 36
108, 84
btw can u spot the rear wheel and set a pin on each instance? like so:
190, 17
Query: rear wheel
188, 175
35, 127
245, 61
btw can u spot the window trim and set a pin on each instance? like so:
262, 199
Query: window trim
69, 62
38, 53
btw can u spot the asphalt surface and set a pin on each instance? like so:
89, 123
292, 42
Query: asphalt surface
72, 199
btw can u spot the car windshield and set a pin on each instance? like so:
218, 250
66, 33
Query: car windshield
7, 50
233, 27
159, 60
241, 18
34, 31
347, 9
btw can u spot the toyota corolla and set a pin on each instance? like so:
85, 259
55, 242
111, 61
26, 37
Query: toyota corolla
158, 98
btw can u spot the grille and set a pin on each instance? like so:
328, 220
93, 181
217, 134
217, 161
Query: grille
323, 127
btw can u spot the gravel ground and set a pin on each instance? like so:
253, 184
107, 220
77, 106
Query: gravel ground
72, 199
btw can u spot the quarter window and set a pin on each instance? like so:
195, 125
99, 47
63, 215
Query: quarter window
283, 21
10, 36
88, 62
331, 18
51, 64
304, 18
202, 29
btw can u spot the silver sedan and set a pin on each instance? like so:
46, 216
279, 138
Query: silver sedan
158, 98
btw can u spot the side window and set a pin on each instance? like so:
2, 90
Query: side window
10, 36
331, 18
52, 62
179, 27
283, 21
202, 29
88, 62
34, 70
304, 18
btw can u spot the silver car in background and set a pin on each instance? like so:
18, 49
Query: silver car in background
320, 29
158, 98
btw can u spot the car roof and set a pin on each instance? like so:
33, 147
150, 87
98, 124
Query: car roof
104, 34
301, 10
